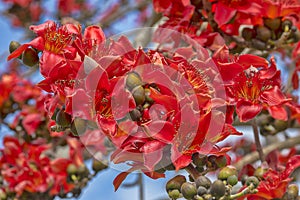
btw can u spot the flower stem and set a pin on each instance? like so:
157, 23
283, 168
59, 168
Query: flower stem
192, 171
257, 140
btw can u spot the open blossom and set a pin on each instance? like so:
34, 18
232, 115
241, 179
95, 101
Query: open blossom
256, 89
274, 182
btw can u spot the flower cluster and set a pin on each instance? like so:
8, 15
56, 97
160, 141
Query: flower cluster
165, 108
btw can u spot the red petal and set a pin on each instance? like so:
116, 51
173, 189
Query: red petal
179, 160
162, 131
223, 14
248, 60
31, 122
94, 33
17, 52
278, 112
247, 110
153, 152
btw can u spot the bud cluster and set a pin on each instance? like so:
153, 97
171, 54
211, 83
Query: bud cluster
202, 188
272, 34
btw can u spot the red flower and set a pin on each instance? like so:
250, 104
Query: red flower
256, 89
274, 183
225, 10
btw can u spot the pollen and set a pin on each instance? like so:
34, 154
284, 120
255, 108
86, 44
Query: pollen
57, 38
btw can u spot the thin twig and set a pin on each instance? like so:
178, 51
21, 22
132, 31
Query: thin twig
192, 171
252, 157
257, 141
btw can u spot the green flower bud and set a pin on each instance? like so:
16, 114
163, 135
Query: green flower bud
292, 192
272, 24
259, 172
13, 45
63, 119
30, 57
188, 190
203, 181
83, 170
174, 194
3, 195
218, 189
286, 25
71, 169
135, 115
199, 160
252, 180
175, 183
280, 125
226, 172
263, 33
248, 33
221, 161
138, 94
133, 80
232, 180
201, 190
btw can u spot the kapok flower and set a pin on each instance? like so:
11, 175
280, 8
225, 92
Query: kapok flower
256, 89
225, 10
274, 183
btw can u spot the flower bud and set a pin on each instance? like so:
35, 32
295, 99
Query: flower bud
188, 190
201, 190
30, 57
286, 25
291, 193
221, 161
252, 180
232, 180
138, 94
13, 45
226, 172
99, 165
272, 24
259, 172
135, 115
218, 189
133, 80
63, 119
175, 182
83, 170
199, 160
203, 181
263, 33
71, 169
280, 125
3, 195
174, 194
248, 33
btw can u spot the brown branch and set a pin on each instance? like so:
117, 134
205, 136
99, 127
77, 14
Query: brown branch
257, 141
252, 157
192, 171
